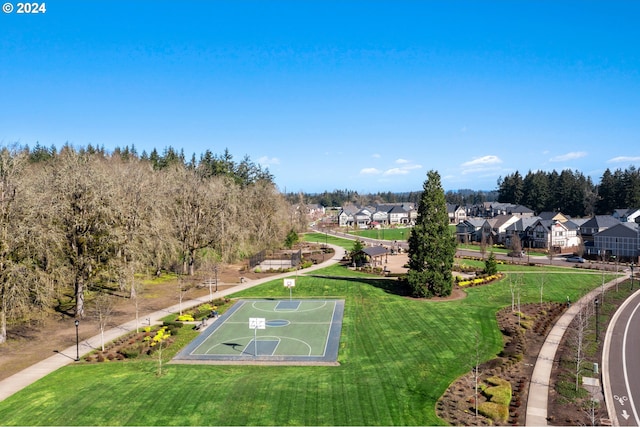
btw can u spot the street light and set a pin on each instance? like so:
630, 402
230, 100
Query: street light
77, 322
215, 269
597, 303
631, 275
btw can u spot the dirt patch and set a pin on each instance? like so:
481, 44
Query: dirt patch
523, 338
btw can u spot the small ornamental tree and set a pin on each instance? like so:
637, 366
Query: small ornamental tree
291, 239
432, 247
490, 264
357, 256
158, 343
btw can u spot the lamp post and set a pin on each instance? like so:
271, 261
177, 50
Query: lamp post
597, 303
632, 275
77, 322
215, 270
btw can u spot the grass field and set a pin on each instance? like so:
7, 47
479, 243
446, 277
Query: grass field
397, 356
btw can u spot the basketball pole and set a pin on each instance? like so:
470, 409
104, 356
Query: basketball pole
255, 342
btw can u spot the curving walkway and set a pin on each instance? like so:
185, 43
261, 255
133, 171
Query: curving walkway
27, 376
538, 399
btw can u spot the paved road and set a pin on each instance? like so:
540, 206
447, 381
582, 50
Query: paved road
621, 364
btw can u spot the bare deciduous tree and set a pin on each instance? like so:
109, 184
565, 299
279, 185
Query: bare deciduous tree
577, 338
102, 309
24, 291
82, 191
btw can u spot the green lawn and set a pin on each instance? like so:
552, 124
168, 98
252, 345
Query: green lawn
384, 233
397, 357
322, 238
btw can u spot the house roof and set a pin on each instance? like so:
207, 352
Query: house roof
350, 210
520, 209
548, 223
500, 220
601, 221
476, 222
523, 223
571, 225
622, 229
397, 209
579, 221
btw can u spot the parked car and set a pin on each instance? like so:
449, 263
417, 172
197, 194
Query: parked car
575, 259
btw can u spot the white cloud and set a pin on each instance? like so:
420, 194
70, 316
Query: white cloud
402, 161
396, 171
483, 161
569, 156
485, 165
267, 161
412, 167
624, 159
369, 171
376, 156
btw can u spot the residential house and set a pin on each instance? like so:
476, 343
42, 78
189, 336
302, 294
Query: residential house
549, 215
362, 218
346, 216
520, 210
596, 224
523, 228
627, 215
499, 226
398, 215
470, 230
380, 215
621, 240
315, 211
555, 236
456, 213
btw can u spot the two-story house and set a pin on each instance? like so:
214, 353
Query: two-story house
456, 213
555, 236
627, 215
596, 224
621, 240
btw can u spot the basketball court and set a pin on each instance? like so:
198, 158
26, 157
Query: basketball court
271, 332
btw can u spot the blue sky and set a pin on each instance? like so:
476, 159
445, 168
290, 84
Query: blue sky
359, 95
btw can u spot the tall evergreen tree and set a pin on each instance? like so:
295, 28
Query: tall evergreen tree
431, 244
536, 191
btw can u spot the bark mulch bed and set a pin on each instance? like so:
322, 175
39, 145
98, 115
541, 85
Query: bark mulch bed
523, 338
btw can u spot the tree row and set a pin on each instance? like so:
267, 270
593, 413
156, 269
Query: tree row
77, 221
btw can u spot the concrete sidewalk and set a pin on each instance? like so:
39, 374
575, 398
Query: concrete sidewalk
538, 399
27, 376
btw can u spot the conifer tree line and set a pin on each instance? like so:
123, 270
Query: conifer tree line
74, 222
344, 197
571, 193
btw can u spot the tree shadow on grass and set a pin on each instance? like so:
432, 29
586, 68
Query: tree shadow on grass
393, 286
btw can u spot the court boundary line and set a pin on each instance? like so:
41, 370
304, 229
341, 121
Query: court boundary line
329, 356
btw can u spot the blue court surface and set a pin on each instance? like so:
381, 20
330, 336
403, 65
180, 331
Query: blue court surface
270, 331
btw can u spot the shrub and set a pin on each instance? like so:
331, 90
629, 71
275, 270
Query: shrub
185, 318
526, 324
500, 392
495, 411
130, 353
